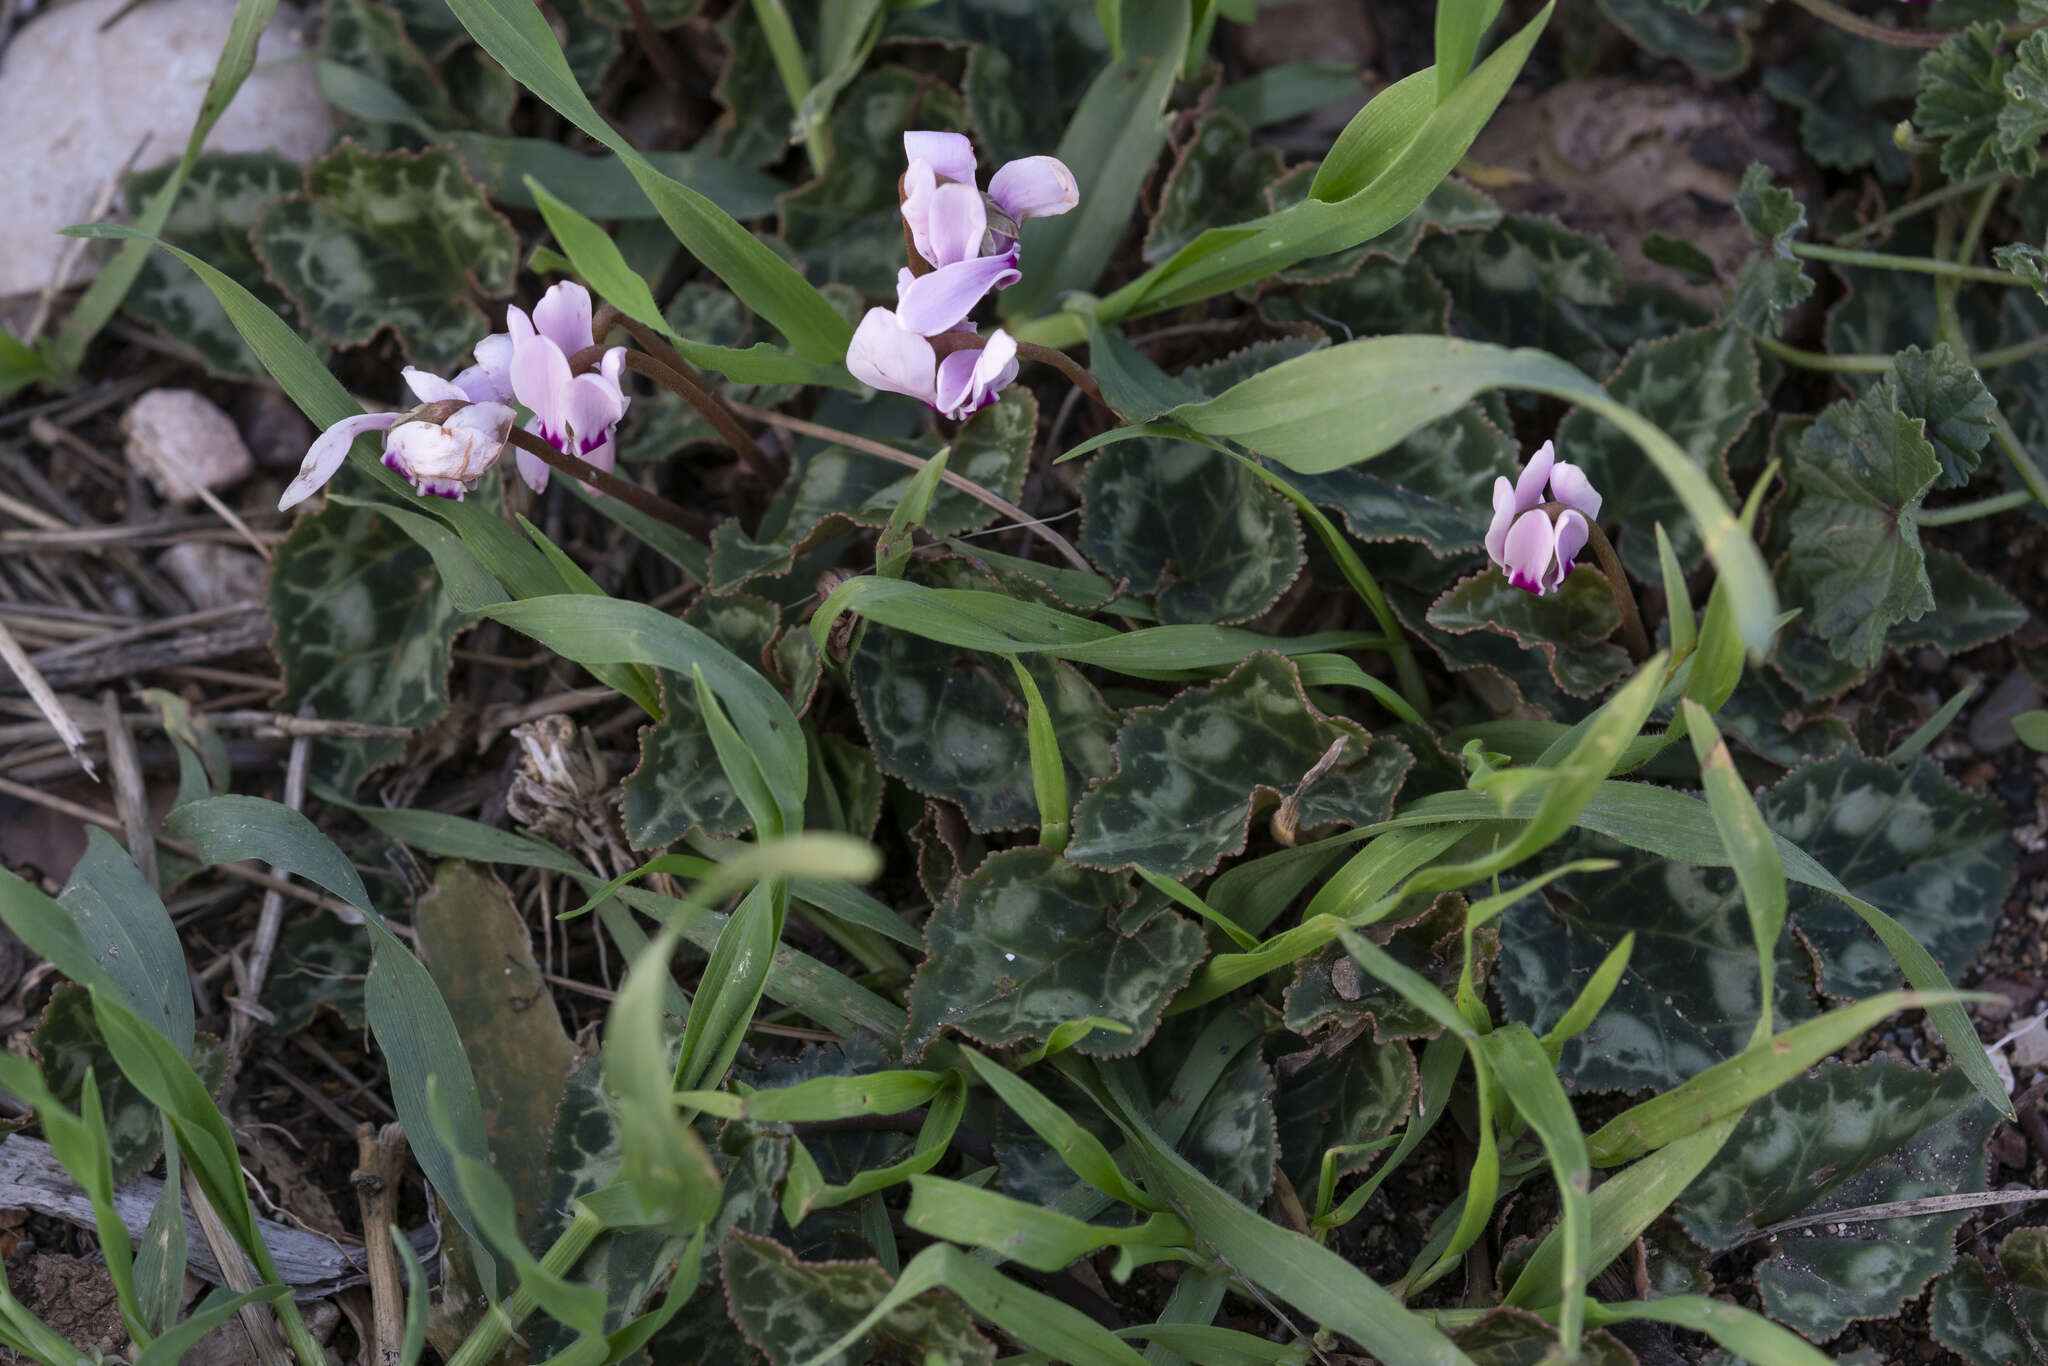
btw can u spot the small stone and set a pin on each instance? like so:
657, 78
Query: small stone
2014, 998
2009, 1148
214, 575
276, 431
2030, 1050
182, 442
1991, 726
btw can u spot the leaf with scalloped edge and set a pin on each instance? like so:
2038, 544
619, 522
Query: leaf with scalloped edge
1454, 206
397, 240
319, 962
67, 1041
364, 629
1769, 718
1233, 1138
1380, 296
1773, 281
1850, 93
1934, 857
1435, 487
1570, 626
1339, 1098
791, 1310
1690, 995
1855, 565
842, 488
2026, 262
378, 42
1969, 609
1962, 92
1528, 282
1331, 1000
1193, 529
1701, 388
222, 199
1836, 1139
1190, 773
2001, 1324
846, 224
1219, 179
1029, 942
679, 785
951, 723
1937, 387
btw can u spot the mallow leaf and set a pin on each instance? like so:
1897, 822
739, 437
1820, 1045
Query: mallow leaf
1962, 94
1855, 565
1939, 388
1772, 282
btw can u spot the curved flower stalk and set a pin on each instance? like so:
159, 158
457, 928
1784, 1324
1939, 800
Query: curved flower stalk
577, 414
888, 355
443, 446
1535, 545
966, 241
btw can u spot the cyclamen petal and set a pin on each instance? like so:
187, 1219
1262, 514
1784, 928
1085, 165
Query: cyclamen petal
1571, 536
429, 387
540, 375
1504, 513
969, 381
1531, 546
1034, 187
458, 450
328, 451
1570, 486
940, 301
490, 379
950, 155
563, 316
533, 470
956, 226
884, 354
920, 185
1529, 488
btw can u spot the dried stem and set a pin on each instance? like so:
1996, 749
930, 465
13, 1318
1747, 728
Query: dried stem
380, 1161
653, 504
1034, 525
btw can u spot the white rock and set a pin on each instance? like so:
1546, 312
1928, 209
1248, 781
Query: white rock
2030, 1050
214, 575
178, 439
77, 102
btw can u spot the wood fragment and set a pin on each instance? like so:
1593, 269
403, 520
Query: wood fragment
131, 798
271, 919
38, 688
380, 1163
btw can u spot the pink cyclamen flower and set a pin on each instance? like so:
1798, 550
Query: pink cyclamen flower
443, 447
888, 355
1534, 550
967, 237
573, 413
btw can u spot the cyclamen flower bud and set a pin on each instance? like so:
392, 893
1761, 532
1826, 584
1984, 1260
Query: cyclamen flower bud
442, 447
1535, 550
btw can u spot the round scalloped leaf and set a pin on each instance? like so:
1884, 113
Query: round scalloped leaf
841, 488
1849, 93
1528, 282
1701, 388
1219, 179
1338, 1097
1028, 942
1190, 527
395, 239
1571, 625
845, 224
222, 199
1834, 1140
950, 723
1435, 487
1189, 773
1690, 995
792, 1310
364, 628
1934, 857
2002, 1324
1950, 397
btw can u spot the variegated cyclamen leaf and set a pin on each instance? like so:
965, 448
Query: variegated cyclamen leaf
319, 962
222, 199
1690, 995
1996, 1325
1220, 178
1380, 296
1190, 773
383, 45
1331, 999
1570, 626
1701, 388
1026, 70
842, 488
1454, 206
679, 785
1517, 1337
845, 224
397, 240
1837, 1139
1340, 1098
1528, 282
1435, 487
1969, 609
791, 1310
1234, 1137
1712, 44
1193, 529
1029, 942
951, 723
364, 629
1934, 857
67, 1043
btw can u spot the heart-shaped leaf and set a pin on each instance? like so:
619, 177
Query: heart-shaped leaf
792, 1310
